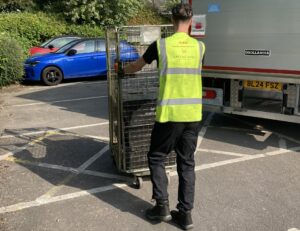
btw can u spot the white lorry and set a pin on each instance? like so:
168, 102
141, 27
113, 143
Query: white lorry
252, 61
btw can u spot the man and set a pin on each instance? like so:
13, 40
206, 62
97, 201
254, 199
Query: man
178, 115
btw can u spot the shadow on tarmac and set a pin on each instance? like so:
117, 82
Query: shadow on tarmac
247, 132
62, 96
71, 151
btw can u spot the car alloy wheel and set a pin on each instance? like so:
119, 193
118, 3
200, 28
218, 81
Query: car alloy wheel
52, 76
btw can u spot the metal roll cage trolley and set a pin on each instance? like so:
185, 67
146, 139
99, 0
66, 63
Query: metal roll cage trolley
132, 99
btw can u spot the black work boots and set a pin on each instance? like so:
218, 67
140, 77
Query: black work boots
160, 212
183, 219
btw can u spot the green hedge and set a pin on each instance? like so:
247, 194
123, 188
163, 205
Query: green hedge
30, 29
11, 61
15, 5
148, 16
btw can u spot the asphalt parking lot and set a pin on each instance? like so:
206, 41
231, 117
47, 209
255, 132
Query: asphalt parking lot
56, 172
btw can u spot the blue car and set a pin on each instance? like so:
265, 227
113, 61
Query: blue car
77, 59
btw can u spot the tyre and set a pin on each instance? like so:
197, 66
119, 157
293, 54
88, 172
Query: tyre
138, 182
52, 76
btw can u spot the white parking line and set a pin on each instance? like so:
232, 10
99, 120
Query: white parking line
56, 101
8, 154
294, 229
19, 149
245, 158
282, 144
44, 201
282, 151
262, 129
246, 130
222, 152
242, 159
69, 169
287, 137
48, 200
67, 85
54, 130
87, 163
79, 170
97, 137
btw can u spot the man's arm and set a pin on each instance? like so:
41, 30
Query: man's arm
135, 66
147, 58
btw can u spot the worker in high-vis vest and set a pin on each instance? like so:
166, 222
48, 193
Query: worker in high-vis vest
178, 115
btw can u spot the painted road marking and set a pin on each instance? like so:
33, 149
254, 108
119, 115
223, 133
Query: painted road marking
39, 164
242, 159
103, 138
19, 149
57, 101
221, 152
294, 229
282, 144
87, 163
74, 171
67, 85
262, 129
44, 201
67, 169
245, 158
80, 169
53, 130
260, 138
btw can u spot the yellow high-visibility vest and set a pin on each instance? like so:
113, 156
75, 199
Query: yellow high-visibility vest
180, 92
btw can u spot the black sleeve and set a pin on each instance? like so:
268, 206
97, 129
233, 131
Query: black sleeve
151, 53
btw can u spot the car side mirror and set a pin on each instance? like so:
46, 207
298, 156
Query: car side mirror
72, 52
50, 46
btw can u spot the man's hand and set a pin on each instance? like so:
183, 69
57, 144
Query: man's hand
119, 69
135, 66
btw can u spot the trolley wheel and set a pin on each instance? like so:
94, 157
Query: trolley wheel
138, 182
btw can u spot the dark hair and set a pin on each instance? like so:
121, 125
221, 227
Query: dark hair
182, 12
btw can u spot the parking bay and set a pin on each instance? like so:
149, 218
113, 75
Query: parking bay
57, 172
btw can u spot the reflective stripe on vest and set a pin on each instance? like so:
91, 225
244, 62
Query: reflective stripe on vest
179, 101
180, 64
177, 71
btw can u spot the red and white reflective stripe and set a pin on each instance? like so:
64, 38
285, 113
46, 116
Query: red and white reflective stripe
209, 94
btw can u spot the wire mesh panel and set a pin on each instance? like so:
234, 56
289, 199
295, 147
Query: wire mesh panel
132, 98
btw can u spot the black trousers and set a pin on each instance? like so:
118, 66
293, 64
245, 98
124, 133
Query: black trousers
181, 137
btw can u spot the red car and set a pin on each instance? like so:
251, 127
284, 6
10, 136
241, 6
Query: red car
52, 45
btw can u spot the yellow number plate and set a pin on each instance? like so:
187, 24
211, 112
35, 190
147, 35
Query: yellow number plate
262, 85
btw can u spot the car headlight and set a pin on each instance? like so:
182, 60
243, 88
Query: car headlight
33, 64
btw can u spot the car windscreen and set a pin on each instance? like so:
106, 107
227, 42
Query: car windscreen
66, 47
44, 44
60, 42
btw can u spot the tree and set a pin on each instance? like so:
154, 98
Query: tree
15, 5
101, 12
170, 3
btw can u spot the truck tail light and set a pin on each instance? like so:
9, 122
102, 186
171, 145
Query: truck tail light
209, 94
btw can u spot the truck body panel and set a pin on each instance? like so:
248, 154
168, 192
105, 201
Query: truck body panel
253, 56
271, 25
